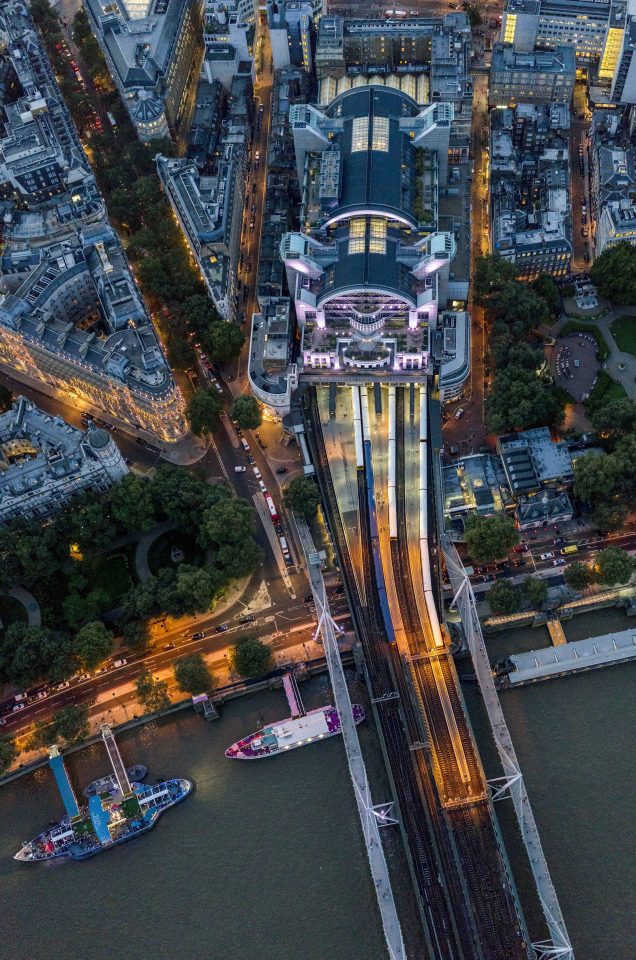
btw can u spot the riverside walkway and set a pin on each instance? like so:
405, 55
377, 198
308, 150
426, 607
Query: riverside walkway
371, 817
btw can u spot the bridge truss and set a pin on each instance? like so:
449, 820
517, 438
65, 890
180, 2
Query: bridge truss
558, 947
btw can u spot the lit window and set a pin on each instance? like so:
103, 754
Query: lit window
377, 236
357, 230
360, 134
380, 140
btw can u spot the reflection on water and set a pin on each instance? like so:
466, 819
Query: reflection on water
264, 861
575, 742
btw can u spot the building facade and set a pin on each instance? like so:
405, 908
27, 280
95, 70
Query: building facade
536, 77
593, 28
154, 50
44, 462
72, 321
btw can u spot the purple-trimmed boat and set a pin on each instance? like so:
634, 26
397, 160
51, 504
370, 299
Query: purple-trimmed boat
289, 734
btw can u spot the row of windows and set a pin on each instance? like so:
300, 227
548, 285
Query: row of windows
379, 134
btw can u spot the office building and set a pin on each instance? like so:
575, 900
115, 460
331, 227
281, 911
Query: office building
533, 460
292, 32
538, 77
210, 210
593, 28
72, 321
154, 51
531, 218
44, 462
613, 190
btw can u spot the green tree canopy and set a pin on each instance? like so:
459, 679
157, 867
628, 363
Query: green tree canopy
191, 591
71, 723
614, 565
238, 563
519, 399
489, 538
491, 274
518, 308
609, 516
596, 477
93, 643
614, 273
250, 657
193, 675
131, 504
229, 521
615, 419
246, 412
203, 411
504, 597
536, 590
547, 289
223, 341
180, 495
8, 753
302, 495
79, 609
30, 653
578, 575
136, 636
152, 693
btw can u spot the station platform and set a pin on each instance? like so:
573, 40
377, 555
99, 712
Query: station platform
572, 657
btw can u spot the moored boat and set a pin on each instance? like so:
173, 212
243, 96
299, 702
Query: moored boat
288, 734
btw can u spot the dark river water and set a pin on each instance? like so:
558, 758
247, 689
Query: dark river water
265, 861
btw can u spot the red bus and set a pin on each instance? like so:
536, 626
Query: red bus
271, 508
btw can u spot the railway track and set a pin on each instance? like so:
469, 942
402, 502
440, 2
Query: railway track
404, 764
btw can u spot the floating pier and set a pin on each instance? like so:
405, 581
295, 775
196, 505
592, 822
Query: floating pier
571, 657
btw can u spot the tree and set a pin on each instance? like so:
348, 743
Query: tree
491, 274
223, 341
193, 675
519, 308
71, 723
228, 521
615, 419
614, 565
547, 289
136, 636
609, 516
141, 601
8, 753
180, 495
79, 610
246, 412
596, 477
251, 657
198, 312
489, 538
474, 16
519, 399
233, 563
131, 504
302, 496
614, 273
503, 597
191, 591
536, 590
93, 643
203, 411
578, 575
30, 653
152, 693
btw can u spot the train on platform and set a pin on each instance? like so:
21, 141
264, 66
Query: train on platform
375, 546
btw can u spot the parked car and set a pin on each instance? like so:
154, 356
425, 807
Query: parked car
521, 548
559, 563
546, 556
198, 635
281, 470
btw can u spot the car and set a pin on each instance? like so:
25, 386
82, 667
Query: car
459, 413
487, 578
521, 548
546, 556
198, 635
169, 646
559, 540
120, 663
41, 695
20, 696
250, 618
240, 469
16, 707
521, 562
559, 562
250, 458
281, 470
218, 386
222, 627
80, 677
63, 685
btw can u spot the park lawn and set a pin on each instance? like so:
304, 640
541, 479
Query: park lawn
606, 390
624, 332
113, 572
11, 611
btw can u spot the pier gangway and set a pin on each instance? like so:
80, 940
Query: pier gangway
116, 761
559, 946
372, 817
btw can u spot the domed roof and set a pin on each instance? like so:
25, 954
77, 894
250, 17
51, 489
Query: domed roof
98, 438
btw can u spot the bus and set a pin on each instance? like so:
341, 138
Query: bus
272, 509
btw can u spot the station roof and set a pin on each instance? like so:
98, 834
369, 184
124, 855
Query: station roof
373, 151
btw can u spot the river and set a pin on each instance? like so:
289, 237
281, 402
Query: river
264, 861
574, 737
